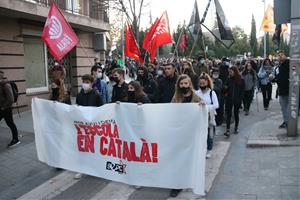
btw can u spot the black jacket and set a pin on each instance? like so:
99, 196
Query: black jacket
150, 88
143, 99
282, 78
166, 89
92, 98
120, 93
235, 91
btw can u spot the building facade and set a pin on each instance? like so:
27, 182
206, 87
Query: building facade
25, 59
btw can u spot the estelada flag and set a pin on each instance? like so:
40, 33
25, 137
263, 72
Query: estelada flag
161, 35
131, 47
58, 34
267, 24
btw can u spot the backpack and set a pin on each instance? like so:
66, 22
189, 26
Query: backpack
15, 91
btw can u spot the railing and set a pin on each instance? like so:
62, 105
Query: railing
96, 9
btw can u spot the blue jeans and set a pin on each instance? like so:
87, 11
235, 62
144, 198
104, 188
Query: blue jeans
210, 137
284, 104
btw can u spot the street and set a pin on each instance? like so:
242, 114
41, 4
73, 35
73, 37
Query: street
246, 172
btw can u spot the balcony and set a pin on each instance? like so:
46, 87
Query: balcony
88, 15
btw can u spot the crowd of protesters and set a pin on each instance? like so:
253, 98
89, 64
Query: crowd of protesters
225, 85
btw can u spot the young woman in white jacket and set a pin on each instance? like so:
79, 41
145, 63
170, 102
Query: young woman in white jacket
206, 93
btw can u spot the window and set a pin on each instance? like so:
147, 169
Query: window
36, 72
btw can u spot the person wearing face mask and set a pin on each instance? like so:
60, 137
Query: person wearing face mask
160, 75
187, 69
265, 83
148, 83
201, 67
235, 87
219, 90
250, 78
209, 96
184, 93
166, 87
136, 93
59, 91
88, 96
120, 89
99, 84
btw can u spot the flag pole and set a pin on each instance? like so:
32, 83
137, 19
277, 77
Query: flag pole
265, 35
194, 44
203, 44
180, 35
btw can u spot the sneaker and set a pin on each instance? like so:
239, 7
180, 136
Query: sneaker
246, 112
236, 131
266, 108
227, 133
175, 192
283, 125
78, 176
13, 143
208, 154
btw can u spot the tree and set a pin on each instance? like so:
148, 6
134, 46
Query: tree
253, 39
133, 11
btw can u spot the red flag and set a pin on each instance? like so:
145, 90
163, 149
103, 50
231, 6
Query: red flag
184, 41
58, 34
148, 36
131, 47
161, 35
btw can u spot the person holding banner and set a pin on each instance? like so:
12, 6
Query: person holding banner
184, 93
136, 93
88, 96
120, 89
166, 86
207, 93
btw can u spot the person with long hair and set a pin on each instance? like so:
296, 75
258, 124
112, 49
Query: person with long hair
187, 68
136, 93
209, 96
184, 93
59, 91
265, 82
250, 78
234, 87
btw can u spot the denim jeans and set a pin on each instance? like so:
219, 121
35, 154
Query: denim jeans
210, 137
284, 104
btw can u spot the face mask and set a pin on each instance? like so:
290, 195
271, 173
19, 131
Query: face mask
202, 87
86, 86
140, 78
99, 75
116, 79
184, 90
160, 72
215, 76
131, 95
202, 62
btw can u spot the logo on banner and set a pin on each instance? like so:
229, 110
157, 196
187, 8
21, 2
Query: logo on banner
55, 29
112, 146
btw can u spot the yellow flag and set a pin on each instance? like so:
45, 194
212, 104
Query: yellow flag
267, 24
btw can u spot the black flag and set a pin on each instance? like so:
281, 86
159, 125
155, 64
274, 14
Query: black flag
194, 25
218, 25
276, 36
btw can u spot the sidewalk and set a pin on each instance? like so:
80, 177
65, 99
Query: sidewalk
270, 135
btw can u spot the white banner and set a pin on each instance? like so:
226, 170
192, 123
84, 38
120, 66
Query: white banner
153, 145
